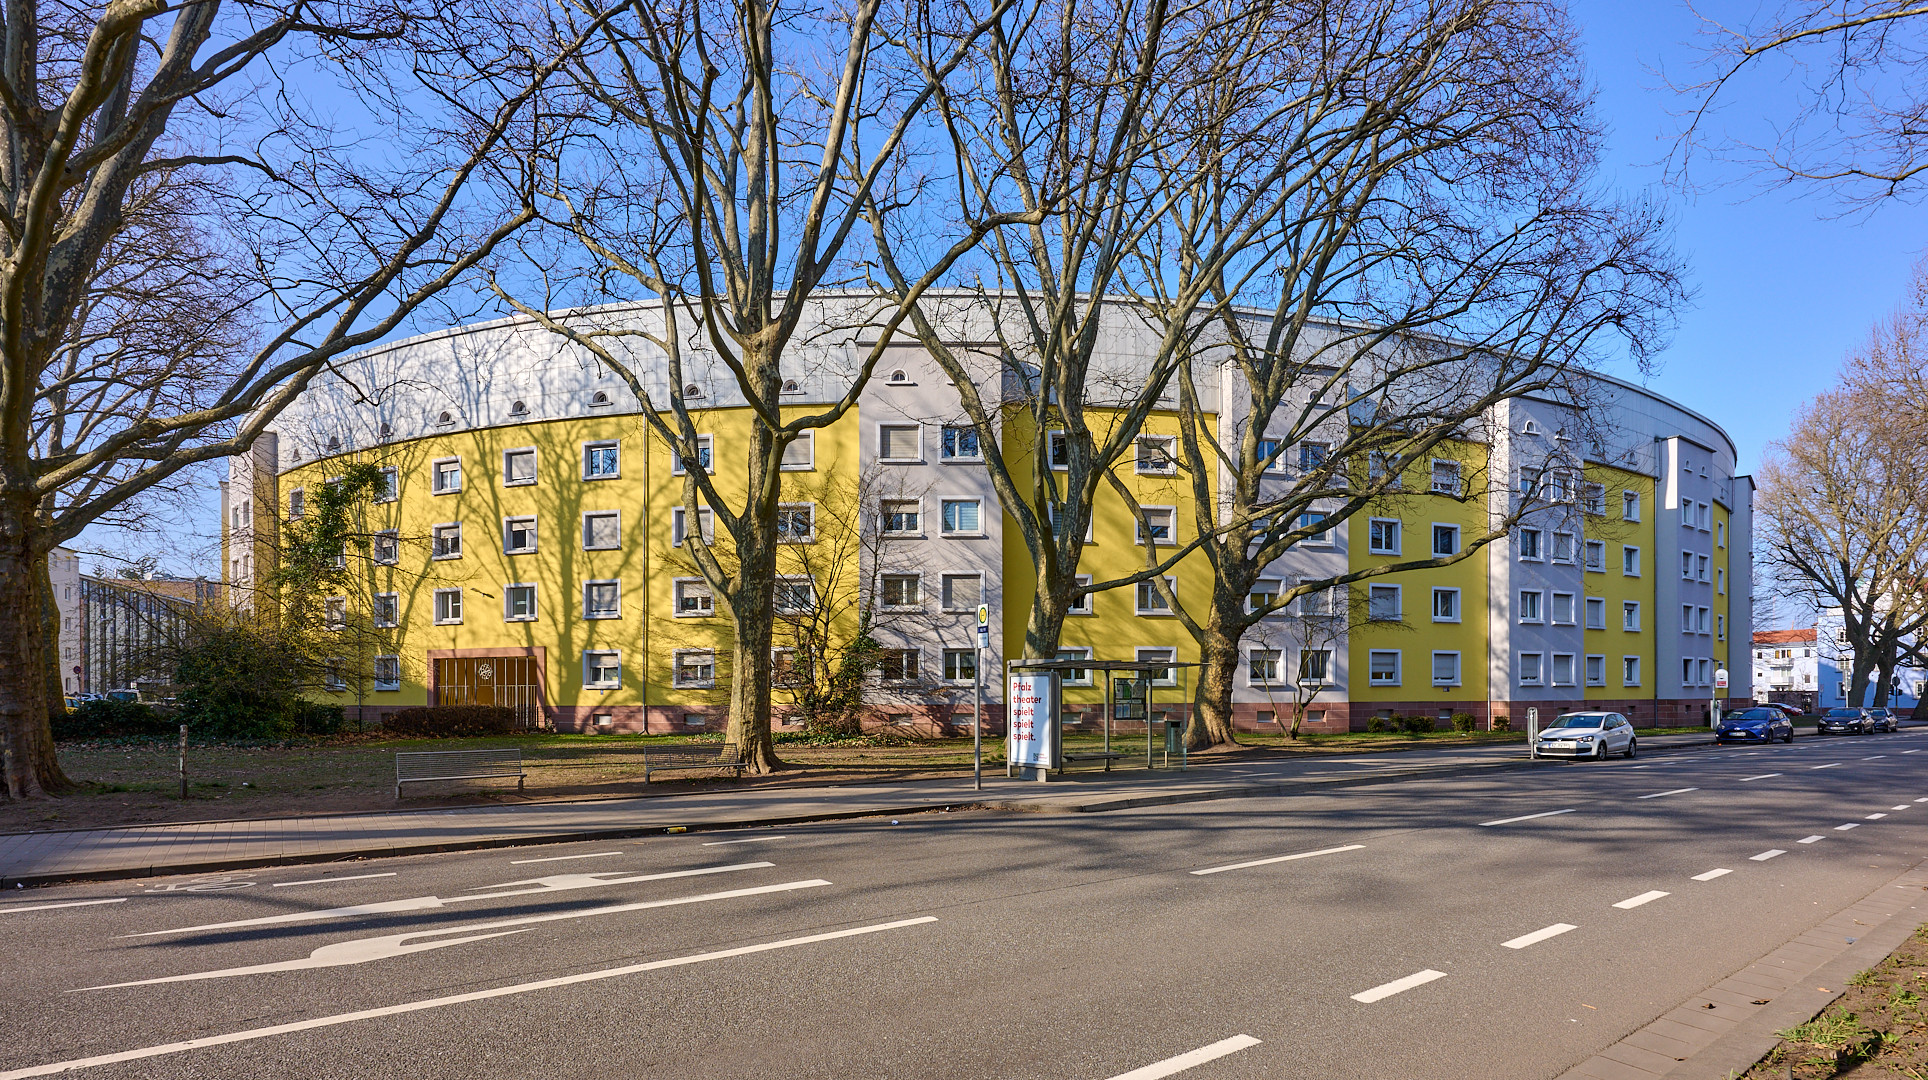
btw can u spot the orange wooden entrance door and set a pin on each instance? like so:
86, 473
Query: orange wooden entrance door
492, 680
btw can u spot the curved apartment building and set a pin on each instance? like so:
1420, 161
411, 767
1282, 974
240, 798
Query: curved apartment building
530, 549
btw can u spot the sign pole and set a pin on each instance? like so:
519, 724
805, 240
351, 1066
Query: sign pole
1532, 733
183, 761
977, 696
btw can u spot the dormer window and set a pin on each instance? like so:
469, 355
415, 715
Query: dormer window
387, 429
518, 408
899, 378
692, 391
1531, 427
598, 399
334, 443
792, 386
445, 419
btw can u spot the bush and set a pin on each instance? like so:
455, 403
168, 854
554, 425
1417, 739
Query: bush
1376, 725
1418, 725
1502, 723
113, 719
1464, 722
450, 721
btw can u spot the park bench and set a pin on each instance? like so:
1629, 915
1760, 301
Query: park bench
698, 756
412, 768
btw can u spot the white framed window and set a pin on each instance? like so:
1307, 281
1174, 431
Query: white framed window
391, 488
1687, 671
385, 547
1315, 520
1157, 456
1383, 468
332, 676
1630, 671
692, 598
958, 442
960, 665
679, 525
796, 523
1532, 669
1383, 603
602, 530
519, 467
1700, 620
901, 590
705, 457
602, 670
1531, 545
387, 610
1720, 628
1445, 540
795, 595
1151, 601
1720, 581
1264, 595
1382, 667
1268, 456
1593, 498
388, 673
448, 607
601, 461
789, 667
900, 443
900, 665
519, 602
1532, 606
1164, 676
1562, 613
962, 592
1315, 666
1262, 666
1562, 547
1076, 676
335, 612
1720, 533
1687, 566
1596, 613
447, 540
1160, 520
518, 536
962, 517
1312, 456
1630, 511
1630, 615
1445, 668
901, 517
695, 668
800, 454
1446, 479
1382, 536
297, 504
1445, 605
1686, 618
1318, 601
1701, 562
445, 476
1629, 560
1597, 556
1562, 669
602, 599
1081, 605
1055, 511
1058, 447
1596, 671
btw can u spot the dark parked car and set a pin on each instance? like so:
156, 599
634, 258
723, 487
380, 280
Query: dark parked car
1759, 725
1845, 722
1884, 720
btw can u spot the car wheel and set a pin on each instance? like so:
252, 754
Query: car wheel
1633, 748
1788, 738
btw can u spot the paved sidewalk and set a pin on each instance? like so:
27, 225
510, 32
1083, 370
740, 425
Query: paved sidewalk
148, 850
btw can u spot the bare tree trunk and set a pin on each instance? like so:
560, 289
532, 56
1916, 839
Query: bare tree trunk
26, 736
752, 620
1217, 674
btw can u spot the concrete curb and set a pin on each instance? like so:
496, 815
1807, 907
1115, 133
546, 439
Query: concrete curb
1247, 791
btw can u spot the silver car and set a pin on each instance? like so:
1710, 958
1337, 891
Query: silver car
1588, 735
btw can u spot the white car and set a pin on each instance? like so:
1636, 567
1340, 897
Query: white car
1588, 735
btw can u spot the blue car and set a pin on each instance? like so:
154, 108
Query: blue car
1755, 725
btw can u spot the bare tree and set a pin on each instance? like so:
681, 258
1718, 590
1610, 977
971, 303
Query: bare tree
725, 181
188, 242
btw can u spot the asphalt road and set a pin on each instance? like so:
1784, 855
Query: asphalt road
984, 945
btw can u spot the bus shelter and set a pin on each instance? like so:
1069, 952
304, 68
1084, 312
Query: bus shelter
1034, 708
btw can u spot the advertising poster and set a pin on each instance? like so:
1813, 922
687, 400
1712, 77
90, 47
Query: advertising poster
1033, 710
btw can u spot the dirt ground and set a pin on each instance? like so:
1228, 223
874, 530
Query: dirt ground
1878, 1030
136, 782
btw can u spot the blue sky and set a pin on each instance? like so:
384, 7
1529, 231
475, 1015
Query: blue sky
1783, 284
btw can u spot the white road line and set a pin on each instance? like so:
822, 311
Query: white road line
1630, 902
1676, 791
11, 908
1526, 817
1193, 1059
1377, 993
1903, 806
1711, 875
1829, 765
1911, 751
1276, 859
440, 1002
1921, 800
1763, 776
1538, 936
1766, 855
326, 880
745, 840
1849, 825
1874, 817
1810, 839
1877, 757
565, 858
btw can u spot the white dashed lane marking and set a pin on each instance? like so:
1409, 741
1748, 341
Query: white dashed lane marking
1766, 855
1810, 839
1763, 776
1538, 936
1676, 791
1829, 765
1190, 1059
1398, 986
13, 908
1643, 898
1276, 859
1712, 874
1526, 817
1849, 825
327, 880
566, 858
